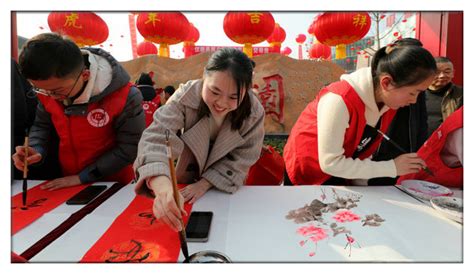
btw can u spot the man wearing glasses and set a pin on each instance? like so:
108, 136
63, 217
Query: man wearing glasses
85, 95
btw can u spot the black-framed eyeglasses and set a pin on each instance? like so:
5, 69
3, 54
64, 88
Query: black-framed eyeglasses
54, 94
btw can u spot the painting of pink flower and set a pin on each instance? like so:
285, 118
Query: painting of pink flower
315, 234
343, 216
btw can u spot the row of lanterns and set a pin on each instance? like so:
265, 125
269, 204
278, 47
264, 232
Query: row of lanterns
246, 28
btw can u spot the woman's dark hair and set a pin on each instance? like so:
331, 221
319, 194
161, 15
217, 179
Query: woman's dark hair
50, 55
240, 68
144, 79
405, 60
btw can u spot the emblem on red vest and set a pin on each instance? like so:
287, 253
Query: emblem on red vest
98, 117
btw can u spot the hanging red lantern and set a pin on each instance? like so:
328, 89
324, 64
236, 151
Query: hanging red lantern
319, 50
300, 38
190, 40
341, 28
286, 51
395, 34
276, 38
84, 28
248, 28
163, 28
145, 48
311, 28
348, 60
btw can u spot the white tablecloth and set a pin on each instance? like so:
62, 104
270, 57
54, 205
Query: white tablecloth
250, 226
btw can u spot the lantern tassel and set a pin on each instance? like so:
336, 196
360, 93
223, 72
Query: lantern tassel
341, 51
164, 50
248, 50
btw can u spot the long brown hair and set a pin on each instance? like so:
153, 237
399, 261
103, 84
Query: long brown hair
241, 68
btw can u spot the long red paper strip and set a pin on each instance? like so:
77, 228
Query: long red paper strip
38, 202
136, 236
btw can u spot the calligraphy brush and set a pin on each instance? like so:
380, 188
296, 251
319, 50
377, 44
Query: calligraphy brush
25, 171
182, 233
426, 169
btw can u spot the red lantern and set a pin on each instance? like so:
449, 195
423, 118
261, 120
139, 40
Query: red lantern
84, 28
164, 28
190, 40
276, 38
300, 38
311, 28
341, 28
145, 48
286, 51
248, 28
348, 60
319, 50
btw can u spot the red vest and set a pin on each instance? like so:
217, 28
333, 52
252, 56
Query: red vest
149, 107
430, 152
301, 149
83, 139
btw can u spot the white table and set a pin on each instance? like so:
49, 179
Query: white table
250, 226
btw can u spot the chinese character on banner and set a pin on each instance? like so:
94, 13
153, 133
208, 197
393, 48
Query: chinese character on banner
71, 20
272, 96
255, 50
197, 49
359, 20
254, 17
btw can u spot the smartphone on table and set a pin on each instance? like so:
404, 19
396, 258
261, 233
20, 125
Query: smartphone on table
86, 195
199, 224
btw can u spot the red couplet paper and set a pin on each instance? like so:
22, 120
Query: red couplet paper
136, 236
38, 202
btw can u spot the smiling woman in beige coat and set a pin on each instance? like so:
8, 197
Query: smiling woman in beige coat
220, 126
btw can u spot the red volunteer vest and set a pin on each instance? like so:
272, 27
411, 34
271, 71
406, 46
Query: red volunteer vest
301, 149
149, 107
430, 152
83, 139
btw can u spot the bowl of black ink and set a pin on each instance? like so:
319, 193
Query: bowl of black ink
207, 256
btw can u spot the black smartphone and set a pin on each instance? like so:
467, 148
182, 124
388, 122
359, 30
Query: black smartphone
199, 223
86, 195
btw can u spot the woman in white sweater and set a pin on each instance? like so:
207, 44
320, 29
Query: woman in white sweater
336, 134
